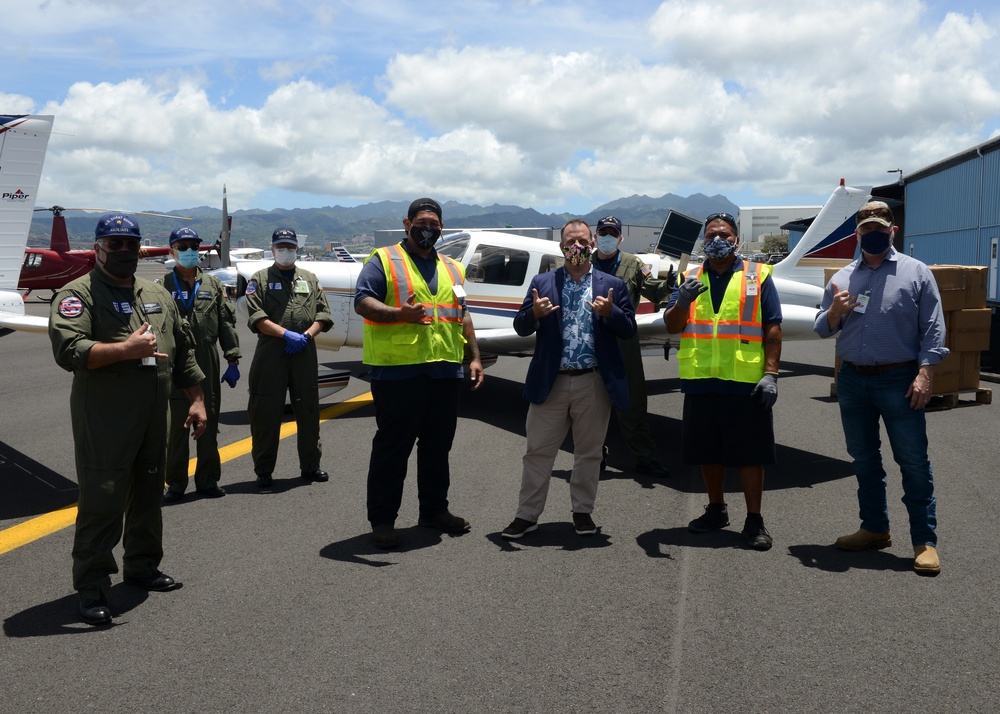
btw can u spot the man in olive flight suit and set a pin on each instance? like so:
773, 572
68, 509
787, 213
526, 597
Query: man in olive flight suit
126, 345
287, 309
201, 300
634, 423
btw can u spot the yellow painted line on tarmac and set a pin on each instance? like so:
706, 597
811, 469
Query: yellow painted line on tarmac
49, 523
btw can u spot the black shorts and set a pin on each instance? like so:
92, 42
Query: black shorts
727, 429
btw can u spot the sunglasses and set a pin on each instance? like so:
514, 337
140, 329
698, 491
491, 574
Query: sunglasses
727, 217
114, 244
186, 246
609, 232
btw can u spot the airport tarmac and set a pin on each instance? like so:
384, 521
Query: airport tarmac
285, 606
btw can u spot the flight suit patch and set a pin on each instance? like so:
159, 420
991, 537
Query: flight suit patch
123, 308
70, 307
251, 287
152, 308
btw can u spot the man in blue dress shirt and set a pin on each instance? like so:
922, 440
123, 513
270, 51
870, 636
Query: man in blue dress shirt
887, 310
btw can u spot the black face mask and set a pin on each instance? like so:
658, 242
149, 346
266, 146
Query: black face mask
121, 263
875, 242
425, 236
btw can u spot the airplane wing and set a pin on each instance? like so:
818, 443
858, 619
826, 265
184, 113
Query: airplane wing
25, 323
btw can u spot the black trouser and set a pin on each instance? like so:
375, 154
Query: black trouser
421, 410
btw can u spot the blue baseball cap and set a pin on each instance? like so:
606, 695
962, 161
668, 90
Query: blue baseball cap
179, 234
284, 235
117, 225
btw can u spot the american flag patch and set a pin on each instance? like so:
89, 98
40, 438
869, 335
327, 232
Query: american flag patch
70, 307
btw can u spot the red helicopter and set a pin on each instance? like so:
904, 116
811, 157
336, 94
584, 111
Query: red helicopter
53, 267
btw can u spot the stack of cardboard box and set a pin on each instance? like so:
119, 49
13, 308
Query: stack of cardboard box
967, 322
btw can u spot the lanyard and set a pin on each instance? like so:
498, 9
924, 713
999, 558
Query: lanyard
188, 303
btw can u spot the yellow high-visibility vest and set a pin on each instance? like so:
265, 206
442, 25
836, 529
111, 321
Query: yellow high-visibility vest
728, 345
399, 343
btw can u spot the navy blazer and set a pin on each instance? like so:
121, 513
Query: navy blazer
549, 345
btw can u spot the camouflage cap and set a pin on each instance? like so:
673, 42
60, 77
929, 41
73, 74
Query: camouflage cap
875, 212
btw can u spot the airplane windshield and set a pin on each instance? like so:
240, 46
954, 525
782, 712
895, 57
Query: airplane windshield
454, 248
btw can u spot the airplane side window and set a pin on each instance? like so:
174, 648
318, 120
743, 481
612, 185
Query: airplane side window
549, 262
493, 265
32, 261
454, 249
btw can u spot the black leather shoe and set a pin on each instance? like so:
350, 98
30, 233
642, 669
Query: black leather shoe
654, 469
385, 537
211, 492
445, 522
317, 475
264, 481
170, 496
95, 612
159, 582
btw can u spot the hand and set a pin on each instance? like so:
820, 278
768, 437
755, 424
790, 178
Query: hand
921, 390
295, 342
412, 311
197, 418
602, 305
541, 307
766, 391
476, 374
142, 343
689, 291
232, 375
842, 304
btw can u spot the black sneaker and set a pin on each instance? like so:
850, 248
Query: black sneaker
716, 516
517, 528
584, 524
756, 534
264, 481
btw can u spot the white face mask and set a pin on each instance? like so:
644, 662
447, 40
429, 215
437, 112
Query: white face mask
607, 244
285, 256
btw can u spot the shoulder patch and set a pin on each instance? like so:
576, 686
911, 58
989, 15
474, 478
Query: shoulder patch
251, 287
70, 307
646, 270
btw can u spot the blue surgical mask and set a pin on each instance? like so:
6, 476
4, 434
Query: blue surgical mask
285, 256
188, 258
718, 248
607, 244
875, 242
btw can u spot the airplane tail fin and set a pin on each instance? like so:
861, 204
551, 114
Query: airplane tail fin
23, 141
829, 241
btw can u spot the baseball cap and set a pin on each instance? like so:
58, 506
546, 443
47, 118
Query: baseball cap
117, 225
609, 222
423, 204
875, 212
284, 235
179, 234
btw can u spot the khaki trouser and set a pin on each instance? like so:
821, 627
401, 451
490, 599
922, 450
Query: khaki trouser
583, 403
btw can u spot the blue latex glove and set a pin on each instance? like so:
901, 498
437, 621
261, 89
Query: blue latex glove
689, 291
232, 375
766, 391
295, 342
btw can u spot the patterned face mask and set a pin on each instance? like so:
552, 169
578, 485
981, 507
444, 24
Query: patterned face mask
718, 248
576, 254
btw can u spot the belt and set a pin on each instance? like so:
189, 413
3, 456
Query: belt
873, 369
577, 372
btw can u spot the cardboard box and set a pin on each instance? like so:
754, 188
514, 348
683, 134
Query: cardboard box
946, 383
968, 330
969, 377
976, 281
951, 282
828, 274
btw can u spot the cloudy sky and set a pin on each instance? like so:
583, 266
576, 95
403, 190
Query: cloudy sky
555, 104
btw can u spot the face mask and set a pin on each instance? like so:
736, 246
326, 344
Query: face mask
285, 256
607, 244
121, 263
875, 242
188, 258
577, 254
718, 248
425, 236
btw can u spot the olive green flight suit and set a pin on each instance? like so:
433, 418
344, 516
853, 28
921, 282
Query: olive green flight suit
119, 415
295, 305
634, 424
209, 312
